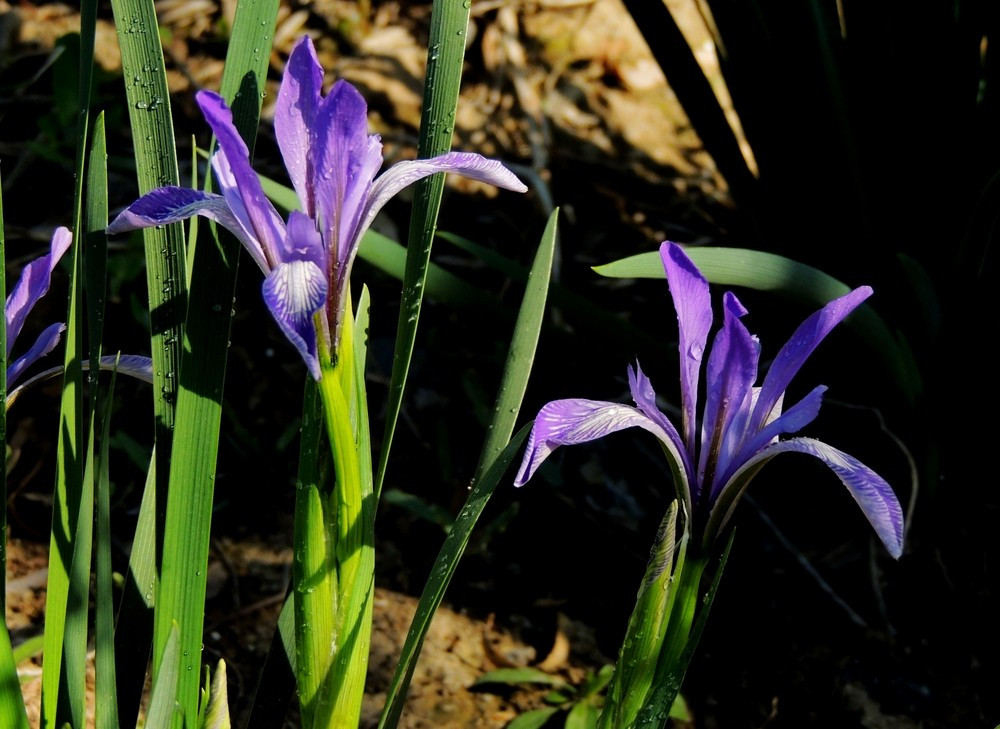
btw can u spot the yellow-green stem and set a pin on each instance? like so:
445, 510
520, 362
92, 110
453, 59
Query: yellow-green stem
342, 392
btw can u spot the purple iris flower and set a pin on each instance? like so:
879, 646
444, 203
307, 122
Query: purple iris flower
741, 423
332, 162
33, 285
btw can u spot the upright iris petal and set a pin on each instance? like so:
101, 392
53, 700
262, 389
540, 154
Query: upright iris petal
294, 118
689, 291
740, 424
332, 162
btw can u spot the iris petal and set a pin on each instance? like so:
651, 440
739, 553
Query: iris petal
268, 227
303, 241
689, 291
133, 365
294, 117
791, 421
729, 374
264, 258
403, 174
875, 497
645, 399
795, 352
293, 292
45, 343
166, 205
33, 284
569, 422
345, 161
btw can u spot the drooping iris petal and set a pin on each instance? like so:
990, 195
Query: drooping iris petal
568, 422
345, 161
293, 292
730, 373
133, 365
689, 291
294, 117
873, 494
797, 349
268, 227
366, 203
166, 205
32, 285
645, 399
45, 343
403, 174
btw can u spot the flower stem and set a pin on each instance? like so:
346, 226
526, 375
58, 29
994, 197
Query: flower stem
350, 522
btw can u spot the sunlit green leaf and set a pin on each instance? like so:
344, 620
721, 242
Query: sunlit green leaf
514, 676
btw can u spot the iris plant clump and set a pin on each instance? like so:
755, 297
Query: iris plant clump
332, 162
713, 459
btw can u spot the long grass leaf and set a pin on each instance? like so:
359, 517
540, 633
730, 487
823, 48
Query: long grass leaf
106, 695
106, 708
65, 627
770, 272
498, 451
521, 354
12, 711
445, 52
440, 576
184, 566
155, 150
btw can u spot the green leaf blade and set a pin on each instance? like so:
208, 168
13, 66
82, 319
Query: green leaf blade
184, 564
516, 676
534, 719
498, 451
445, 54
